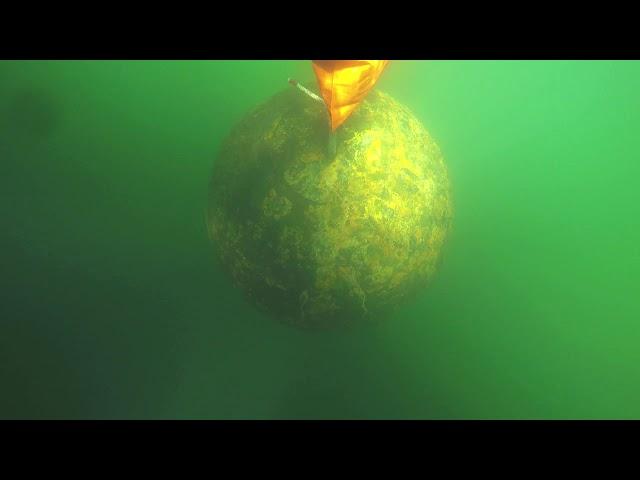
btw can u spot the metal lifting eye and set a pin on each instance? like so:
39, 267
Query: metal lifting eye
305, 90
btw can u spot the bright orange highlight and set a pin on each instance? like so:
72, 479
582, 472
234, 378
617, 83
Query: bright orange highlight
345, 83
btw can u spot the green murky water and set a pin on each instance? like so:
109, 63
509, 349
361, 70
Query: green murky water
113, 307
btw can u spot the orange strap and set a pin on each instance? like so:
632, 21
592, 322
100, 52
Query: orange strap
344, 84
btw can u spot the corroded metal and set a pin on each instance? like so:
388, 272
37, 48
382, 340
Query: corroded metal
317, 240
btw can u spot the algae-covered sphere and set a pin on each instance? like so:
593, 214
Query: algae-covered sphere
318, 240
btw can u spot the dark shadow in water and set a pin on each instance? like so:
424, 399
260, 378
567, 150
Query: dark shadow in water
31, 112
352, 377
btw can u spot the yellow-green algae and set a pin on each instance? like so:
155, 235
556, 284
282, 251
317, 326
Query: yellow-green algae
317, 241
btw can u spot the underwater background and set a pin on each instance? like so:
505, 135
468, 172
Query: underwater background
113, 305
